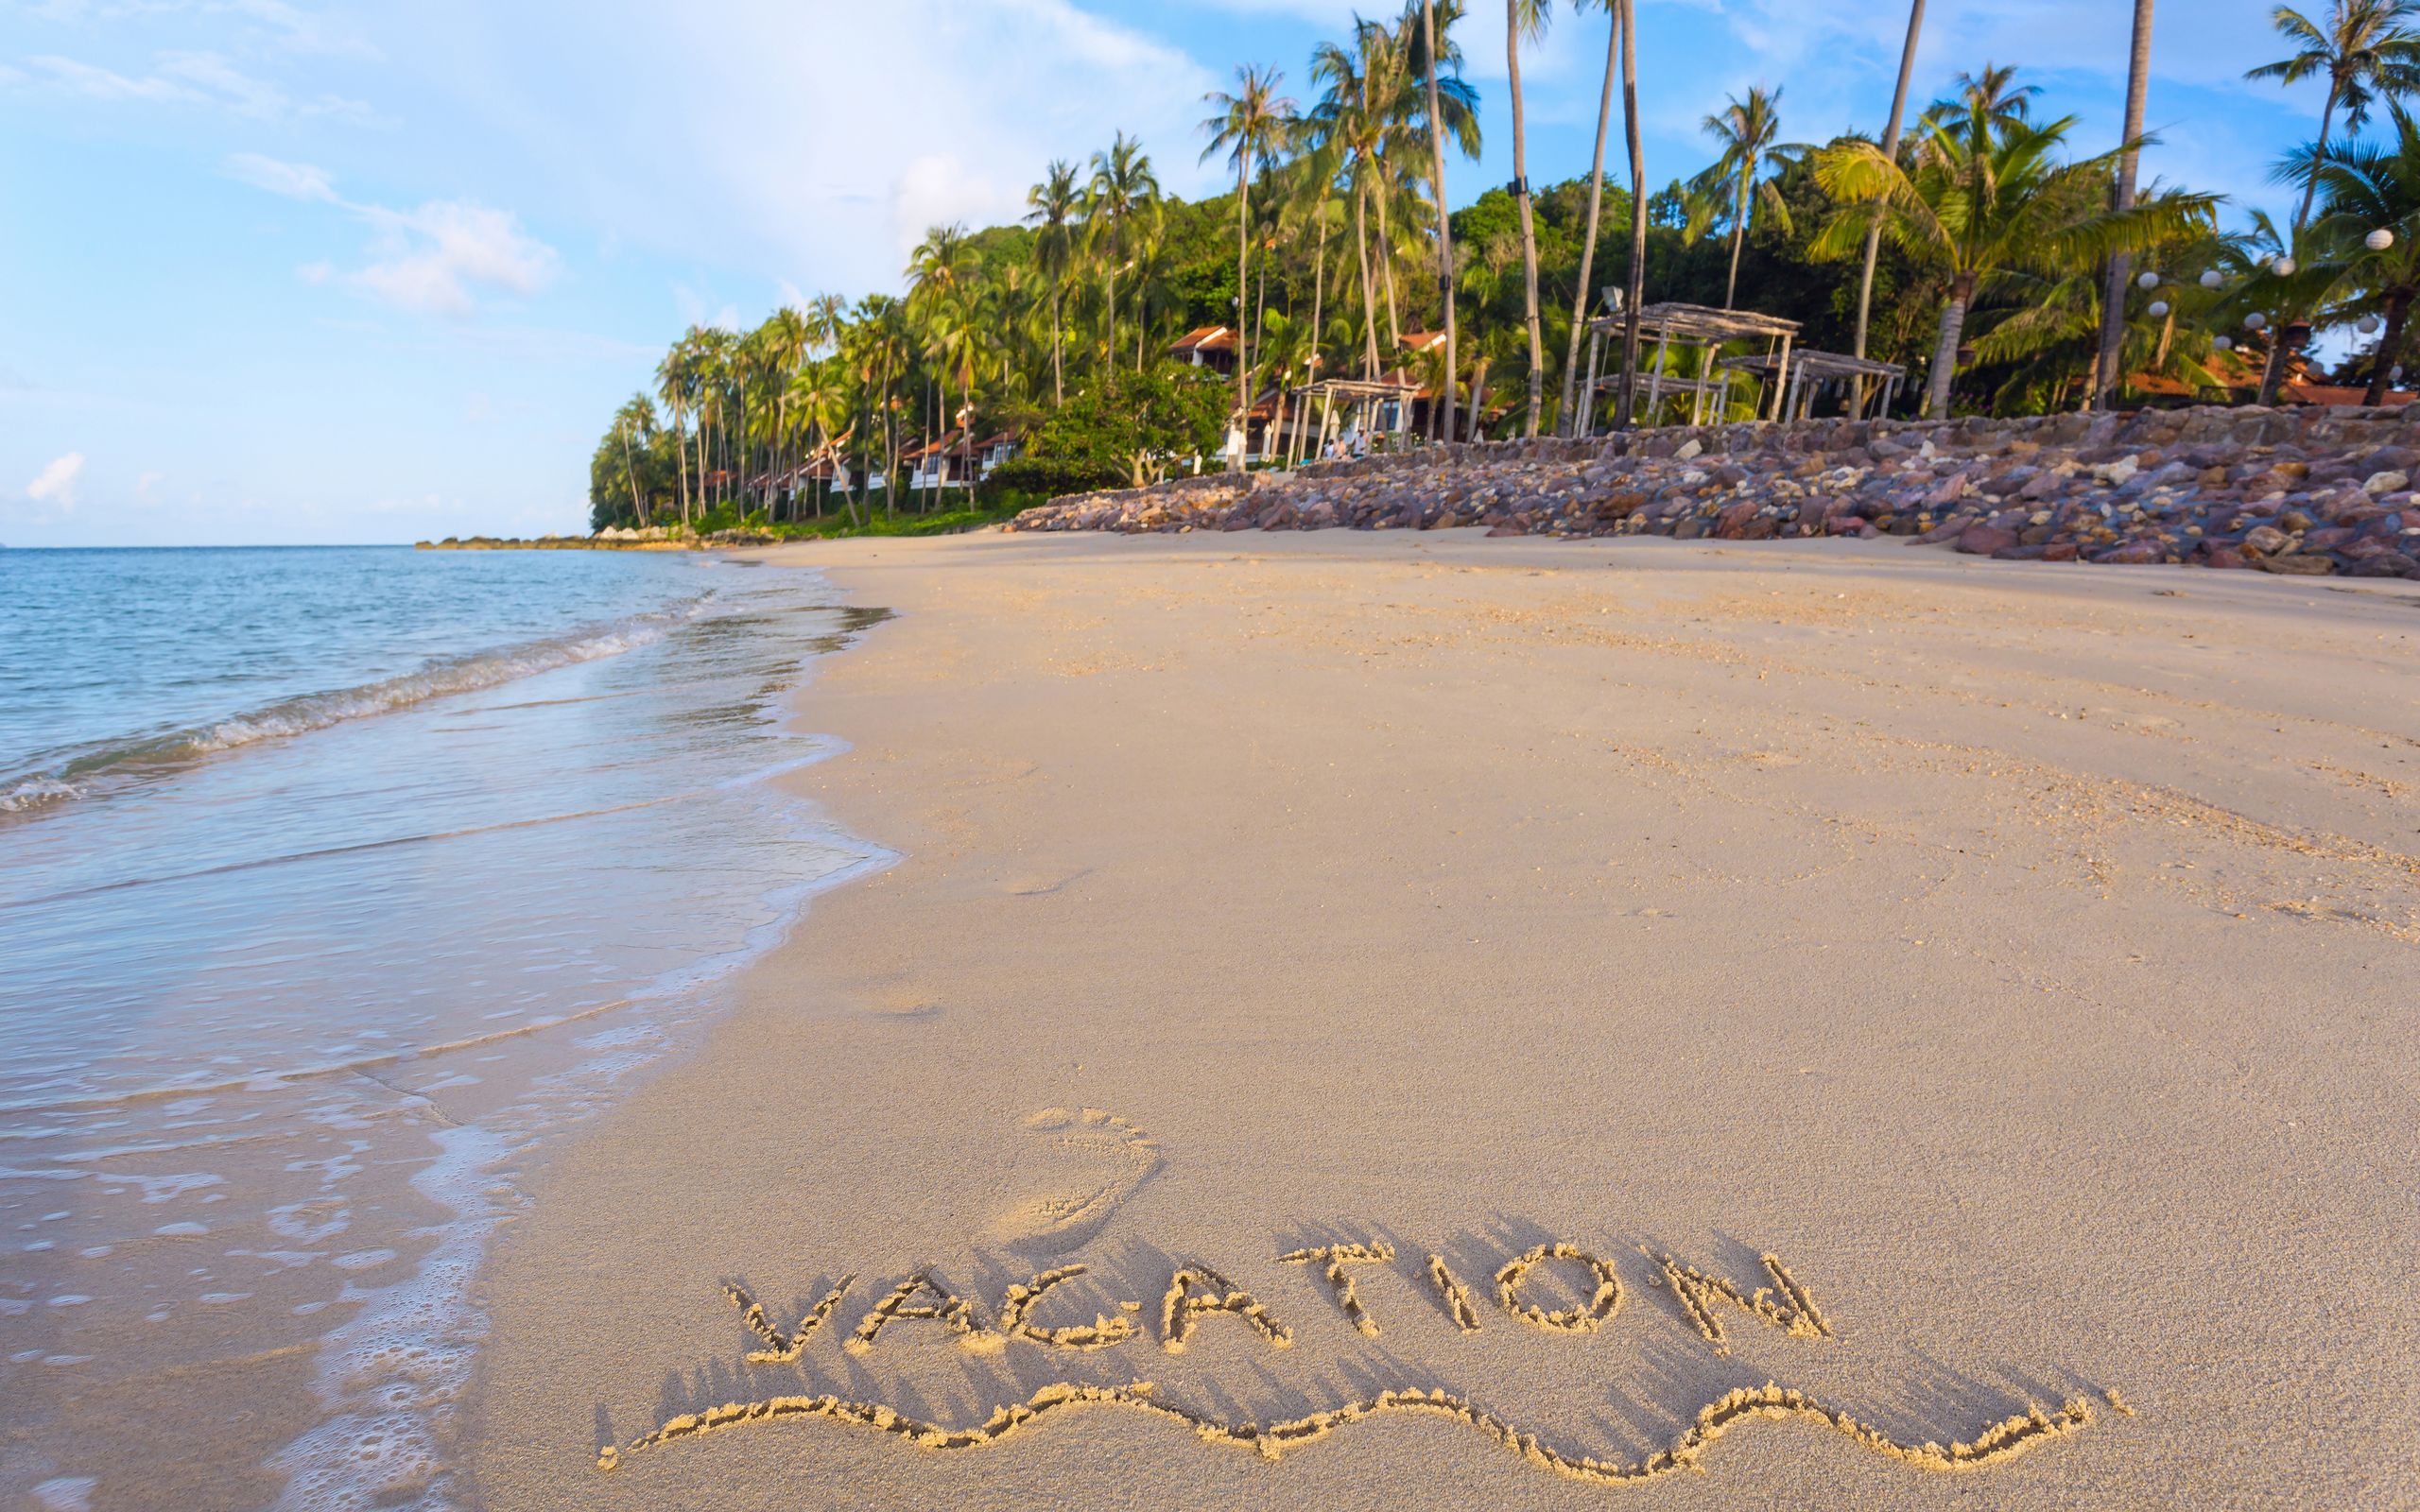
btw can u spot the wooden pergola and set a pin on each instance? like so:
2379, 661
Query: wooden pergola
1363, 394
1689, 325
1809, 372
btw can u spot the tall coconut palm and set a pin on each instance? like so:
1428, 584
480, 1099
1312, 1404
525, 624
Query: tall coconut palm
1568, 414
2372, 188
1052, 207
1526, 18
2364, 48
1985, 198
1350, 117
1626, 22
676, 379
1749, 133
2113, 303
1991, 92
1121, 204
1891, 150
1252, 124
1436, 132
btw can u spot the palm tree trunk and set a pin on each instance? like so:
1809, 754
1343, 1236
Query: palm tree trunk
1628, 22
1111, 351
1945, 355
1738, 232
1478, 391
2319, 154
1890, 151
2399, 306
2112, 304
680, 455
1369, 295
1444, 222
1529, 223
1243, 263
1387, 261
1568, 420
1058, 379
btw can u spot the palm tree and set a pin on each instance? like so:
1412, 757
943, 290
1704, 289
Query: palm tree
1994, 92
1890, 150
635, 423
1253, 123
1348, 117
676, 379
1985, 198
1437, 196
2365, 48
2372, 189
1627, 23
1749, 132
1054, 203
1568, 416
2112, 304
1123, 201
1526, 18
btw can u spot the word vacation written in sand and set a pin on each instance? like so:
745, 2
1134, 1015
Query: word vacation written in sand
1198, 1295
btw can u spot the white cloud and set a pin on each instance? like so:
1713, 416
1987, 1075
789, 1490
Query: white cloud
148, 484
830, 131
56, 484
434, 260
295, 181
204, 78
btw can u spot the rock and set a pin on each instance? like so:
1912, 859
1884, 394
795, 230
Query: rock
2265, 541
2386, 483
1985, 540
1690, 448
2386, 564
2132, 554
2298, 565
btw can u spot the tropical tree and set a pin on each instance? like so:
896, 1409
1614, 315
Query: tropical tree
2364, 48
1121, 206
2374, 196
1568, 417
1749, 133
1252, 124
2113, 314
1986, 197
1526, 18
1626, 22
1053, 206
1890, 150
676, 379
1434, 127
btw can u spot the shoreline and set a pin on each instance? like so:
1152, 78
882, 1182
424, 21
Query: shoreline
1460, 899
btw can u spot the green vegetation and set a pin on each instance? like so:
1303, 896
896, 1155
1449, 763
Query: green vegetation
1981, 247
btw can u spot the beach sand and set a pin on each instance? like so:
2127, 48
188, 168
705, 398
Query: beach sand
2023, 958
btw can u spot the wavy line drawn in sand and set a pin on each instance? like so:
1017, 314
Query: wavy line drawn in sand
1078, 1170
2009, 1436
946, 1307
1795, 1313
1453, 1294
1340, 1280
1587, 1317
1182, 1306
783, 1349
1102, 1333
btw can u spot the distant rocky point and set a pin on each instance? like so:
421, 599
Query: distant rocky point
654, 537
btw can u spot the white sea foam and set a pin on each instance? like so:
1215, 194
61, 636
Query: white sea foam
81, 773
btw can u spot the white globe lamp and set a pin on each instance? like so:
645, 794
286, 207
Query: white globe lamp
2378, 240
2224, 343
2255, 321
2212, 279
2159, 309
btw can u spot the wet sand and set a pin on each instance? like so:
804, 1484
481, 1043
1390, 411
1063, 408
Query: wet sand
2022, 958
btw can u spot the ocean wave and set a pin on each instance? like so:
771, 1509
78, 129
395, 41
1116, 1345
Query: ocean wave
92, 769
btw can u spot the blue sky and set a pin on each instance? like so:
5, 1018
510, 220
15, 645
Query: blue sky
287, 271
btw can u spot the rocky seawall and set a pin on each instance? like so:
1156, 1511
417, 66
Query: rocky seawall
655, 538
2309, 490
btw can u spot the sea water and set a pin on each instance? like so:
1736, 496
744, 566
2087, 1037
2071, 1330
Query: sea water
332, 882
